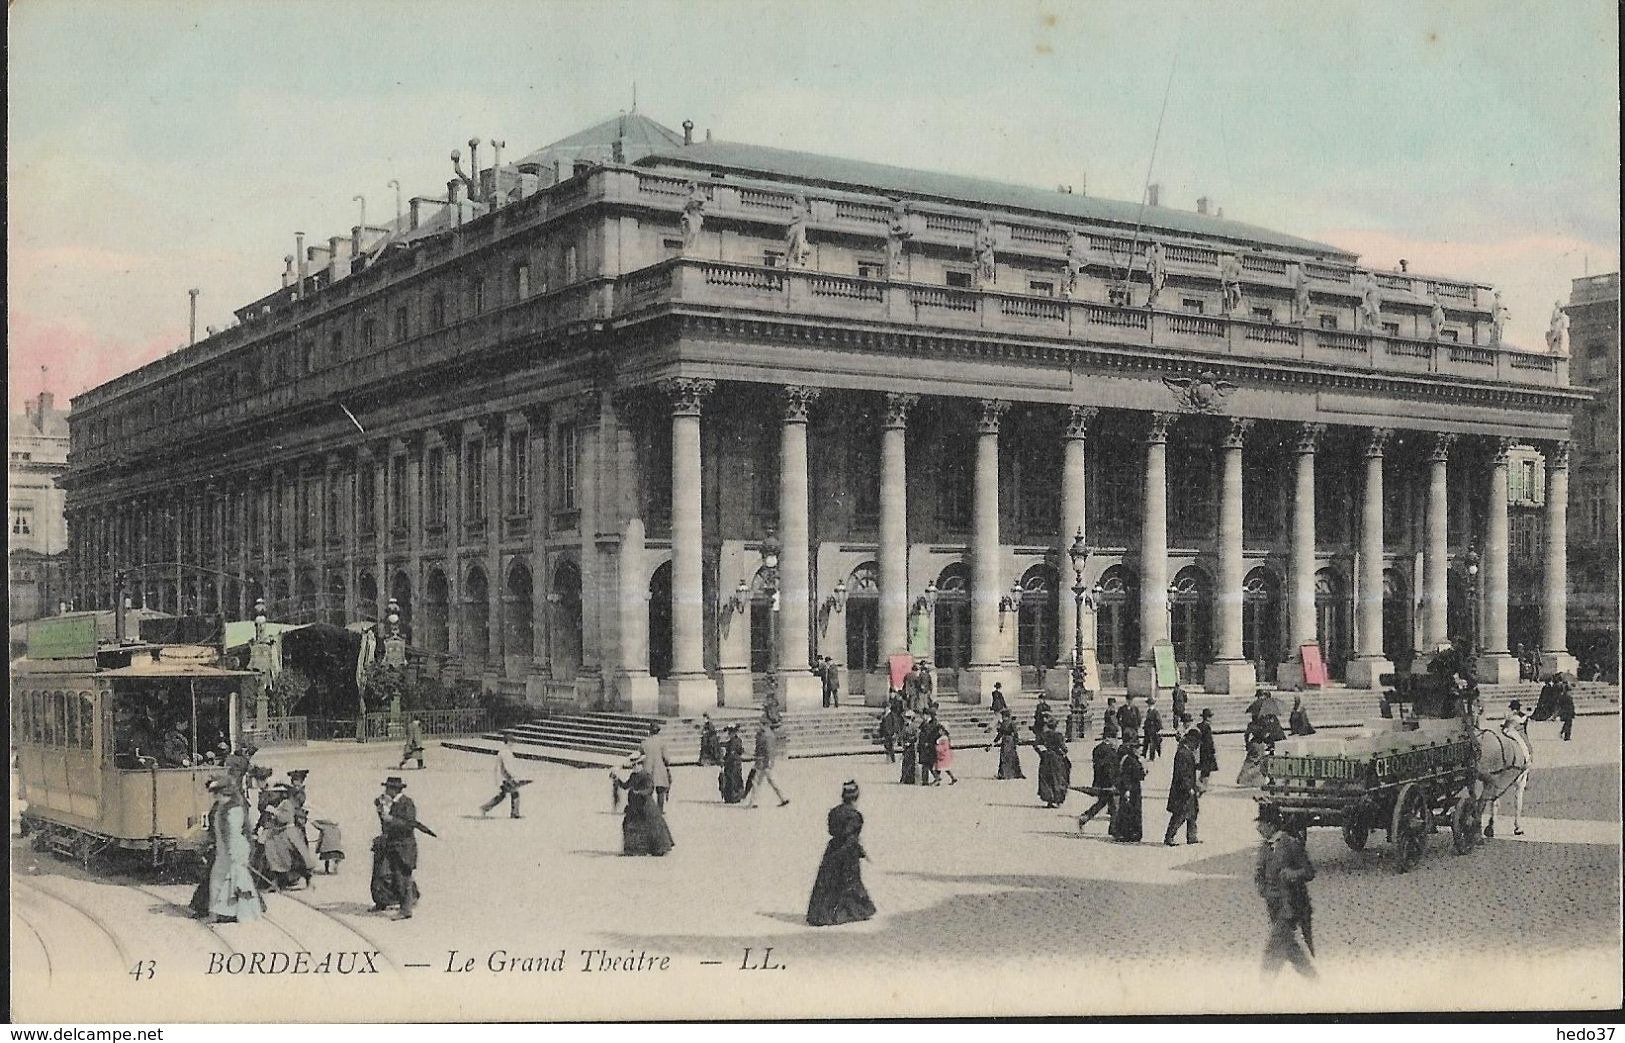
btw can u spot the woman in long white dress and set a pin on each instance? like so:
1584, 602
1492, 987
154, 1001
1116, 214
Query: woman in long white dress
232, 895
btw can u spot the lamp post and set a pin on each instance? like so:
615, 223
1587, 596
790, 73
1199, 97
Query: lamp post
1471, 561
770, 575
1076, 721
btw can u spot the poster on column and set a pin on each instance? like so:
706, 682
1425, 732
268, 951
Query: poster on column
1314, 668
1167, 669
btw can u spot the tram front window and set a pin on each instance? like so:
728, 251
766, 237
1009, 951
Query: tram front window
171, 723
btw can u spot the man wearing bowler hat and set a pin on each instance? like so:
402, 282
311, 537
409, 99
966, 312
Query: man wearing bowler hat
400, 843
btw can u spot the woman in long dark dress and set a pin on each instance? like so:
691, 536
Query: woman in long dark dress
838, 894
643, 827
1298, 721
1054, 767
710, 743
731, 780
1128, 823
1009, 749
909, 737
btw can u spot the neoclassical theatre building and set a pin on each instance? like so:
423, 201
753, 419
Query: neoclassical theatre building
650, 422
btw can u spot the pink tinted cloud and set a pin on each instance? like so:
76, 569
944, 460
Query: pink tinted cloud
74, 358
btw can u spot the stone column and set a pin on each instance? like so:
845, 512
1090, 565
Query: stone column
1058, 682
541, 493
1496, 664
635, 687
352, 533
1369, 663
1230, 671
1436, 552
379, 477
691, 689
496, 587
893, 556
987, 666
1142, 677
798, 688
1554, 640
1301, 571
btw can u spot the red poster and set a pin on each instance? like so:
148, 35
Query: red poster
1314, 668
899, 665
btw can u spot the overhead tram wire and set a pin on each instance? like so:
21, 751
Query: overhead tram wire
1145, 189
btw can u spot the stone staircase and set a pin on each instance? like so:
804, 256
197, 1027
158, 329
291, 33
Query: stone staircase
603, 738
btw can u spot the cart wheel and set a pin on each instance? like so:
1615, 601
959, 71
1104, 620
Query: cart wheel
1356, 830
1413, 820
1466, 823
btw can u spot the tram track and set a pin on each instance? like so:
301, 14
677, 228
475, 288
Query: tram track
39, 939
94, 920
372, 944
207, 927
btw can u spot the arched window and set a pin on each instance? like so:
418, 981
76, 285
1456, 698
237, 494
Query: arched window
951, 639
1117, 625
1261, 622
1037, 642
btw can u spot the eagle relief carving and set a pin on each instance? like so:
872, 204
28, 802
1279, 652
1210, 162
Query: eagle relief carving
1200, 394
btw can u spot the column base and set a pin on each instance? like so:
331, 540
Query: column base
1367, 671
1496, 668
688, 695
798, 690
1058, 683
1142, 680
976, 682
637, 692
1230, 677
736, 686
1289, 678
1558, 663
876, 687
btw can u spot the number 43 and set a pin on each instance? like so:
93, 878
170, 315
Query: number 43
144, 970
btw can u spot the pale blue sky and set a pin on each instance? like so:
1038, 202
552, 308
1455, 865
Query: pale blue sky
160, 145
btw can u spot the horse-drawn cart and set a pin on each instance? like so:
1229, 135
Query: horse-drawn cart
1403, 774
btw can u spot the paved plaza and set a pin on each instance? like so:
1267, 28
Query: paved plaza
989, 903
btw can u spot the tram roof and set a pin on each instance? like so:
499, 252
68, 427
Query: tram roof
160, 669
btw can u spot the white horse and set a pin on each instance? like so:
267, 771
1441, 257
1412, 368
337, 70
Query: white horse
1503, 765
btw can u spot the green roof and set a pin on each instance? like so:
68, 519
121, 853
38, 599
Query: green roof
900, 181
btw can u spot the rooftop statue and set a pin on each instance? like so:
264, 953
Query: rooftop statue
1436, 320
1370, 302
1557, 335
987, 266
1077, 249
798, 251
1300, 294
1230, 283
1498, 320
897, 234
693, 214
1157, 270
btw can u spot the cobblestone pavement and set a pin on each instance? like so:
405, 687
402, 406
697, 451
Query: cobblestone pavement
985, 897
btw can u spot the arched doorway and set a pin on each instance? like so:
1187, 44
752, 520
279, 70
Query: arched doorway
1396, 620
400, 589
564, 603
1332, 621
518, 638
1191, 622
306, 607
863, 652
366, 596
1261, 622
1117, 625
950, 651
335, 601
476, 614
436, 611
660, 621
1037, 624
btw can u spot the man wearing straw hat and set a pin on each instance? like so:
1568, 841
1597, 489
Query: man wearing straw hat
507, 779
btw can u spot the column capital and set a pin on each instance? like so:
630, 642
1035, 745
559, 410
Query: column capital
535, 414
1377, 441
587, 405
993, 410
1442, 443
1502, 450
1078, 421
898, 406
1236, 432
1307, 437
1156, 430
492, 424
798, 400
686, 394
1555, 453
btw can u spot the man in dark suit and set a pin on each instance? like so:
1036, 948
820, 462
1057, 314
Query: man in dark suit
1185, 792
1207, 753
1104, 758
657, 764
400, 837
926, 748
831, 675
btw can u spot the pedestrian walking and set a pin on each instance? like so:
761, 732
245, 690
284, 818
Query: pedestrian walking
1207, 755
730, 780
830, 675
996, 702
1128, 824
1111, 725
1185, 791
506, 776
710, 743
909, 736
1298, 719
1282, 876
227, 891
1041, 717
1151, 742
761, 774
413, 747
399, 847
1180, 698
1009, 747
1565, 709
838, 894
1129, 719
1104, 759
287, 856
944, 764
890, 723
1054, 766
657, 763
643, 825
926, 748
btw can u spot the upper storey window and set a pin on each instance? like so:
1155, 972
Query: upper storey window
570, 271
403, 327
437, 311
958, 279
521, 280
476, 295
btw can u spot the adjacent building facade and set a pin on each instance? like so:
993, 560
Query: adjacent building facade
1593, 311
37, 453
650, 422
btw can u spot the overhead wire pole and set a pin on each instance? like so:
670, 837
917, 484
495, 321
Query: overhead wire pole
1156, 139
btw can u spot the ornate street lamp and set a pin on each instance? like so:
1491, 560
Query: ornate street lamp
927, 602
1077, 720
1471, 562
770, 575
740, 598
1010, 602
259, 619
836, 602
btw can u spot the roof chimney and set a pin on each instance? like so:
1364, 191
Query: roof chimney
473, 170
191, 325
287, 270
304, 265
1153, 195
688, 132
414, 214
1202, 205
708, 135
